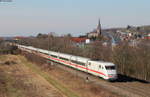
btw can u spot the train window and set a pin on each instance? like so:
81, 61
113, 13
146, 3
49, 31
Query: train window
63, 58
80, 63
110, 67
99, 66
54, 56
89, 63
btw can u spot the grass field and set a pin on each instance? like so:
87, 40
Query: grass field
55, 83
18, 80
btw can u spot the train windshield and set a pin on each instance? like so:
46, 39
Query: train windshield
110, 67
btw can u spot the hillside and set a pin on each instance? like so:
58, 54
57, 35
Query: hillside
143, 29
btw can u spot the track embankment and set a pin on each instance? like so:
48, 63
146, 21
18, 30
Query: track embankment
124, 89
18, 80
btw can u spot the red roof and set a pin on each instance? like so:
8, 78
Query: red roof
1, 38
78, 40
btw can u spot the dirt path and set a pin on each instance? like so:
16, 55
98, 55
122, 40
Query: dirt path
21, 81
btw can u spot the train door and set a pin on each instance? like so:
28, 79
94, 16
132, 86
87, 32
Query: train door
90, 67
100, 69
71, 62
87, 65
76, 63
70, 59
58, 55
94, 68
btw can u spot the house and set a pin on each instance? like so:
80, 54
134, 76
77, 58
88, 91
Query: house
78, 40
93, 34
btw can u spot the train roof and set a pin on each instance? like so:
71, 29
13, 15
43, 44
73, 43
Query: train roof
103, 63
73, 57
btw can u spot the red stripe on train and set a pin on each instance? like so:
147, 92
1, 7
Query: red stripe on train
73, 64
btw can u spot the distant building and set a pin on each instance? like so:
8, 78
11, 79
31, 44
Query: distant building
97, 32
78, 40
87, 41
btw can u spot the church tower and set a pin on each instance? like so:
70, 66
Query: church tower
99, 31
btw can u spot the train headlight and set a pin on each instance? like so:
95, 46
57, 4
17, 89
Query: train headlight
112, 75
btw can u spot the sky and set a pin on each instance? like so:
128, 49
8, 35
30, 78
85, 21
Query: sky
30, 17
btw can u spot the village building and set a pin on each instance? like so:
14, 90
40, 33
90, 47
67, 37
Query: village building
95, 33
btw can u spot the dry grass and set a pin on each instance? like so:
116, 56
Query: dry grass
54, 82
79, 85
17, 80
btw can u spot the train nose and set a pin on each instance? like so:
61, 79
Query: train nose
109, 72
112, 77
112, 74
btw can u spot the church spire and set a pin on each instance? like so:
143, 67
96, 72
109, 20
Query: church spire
99, 28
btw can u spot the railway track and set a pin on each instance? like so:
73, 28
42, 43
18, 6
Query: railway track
143, 92
125, 89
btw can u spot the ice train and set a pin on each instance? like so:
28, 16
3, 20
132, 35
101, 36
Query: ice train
105, 70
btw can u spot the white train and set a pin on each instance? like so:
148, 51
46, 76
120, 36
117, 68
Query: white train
105, 70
